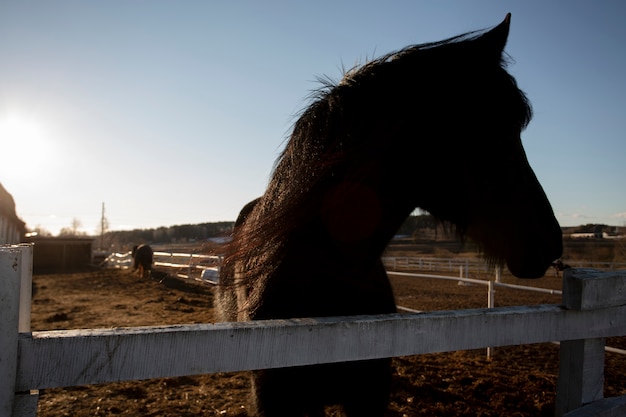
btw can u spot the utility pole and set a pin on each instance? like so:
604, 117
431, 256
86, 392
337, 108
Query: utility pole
102, 221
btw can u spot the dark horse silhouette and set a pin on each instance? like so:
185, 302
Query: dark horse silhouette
435, 126
142, 260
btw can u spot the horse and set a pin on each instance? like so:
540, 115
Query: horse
435, 126
142, 260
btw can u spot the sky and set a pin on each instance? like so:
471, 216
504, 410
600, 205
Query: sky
173, 113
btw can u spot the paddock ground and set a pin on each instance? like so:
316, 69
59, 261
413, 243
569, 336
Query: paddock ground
517, 381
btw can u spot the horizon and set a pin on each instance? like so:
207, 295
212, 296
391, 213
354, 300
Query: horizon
96, 235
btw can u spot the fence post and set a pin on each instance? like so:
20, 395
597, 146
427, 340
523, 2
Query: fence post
581, 367
25, 403
10, 260
16, 267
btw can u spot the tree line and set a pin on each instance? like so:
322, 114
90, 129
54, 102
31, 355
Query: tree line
416, 227
172, 234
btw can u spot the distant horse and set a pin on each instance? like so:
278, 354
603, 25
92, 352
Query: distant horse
142, 260
435, 126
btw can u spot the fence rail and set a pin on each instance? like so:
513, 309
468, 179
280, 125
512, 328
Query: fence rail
594, 308
95, 356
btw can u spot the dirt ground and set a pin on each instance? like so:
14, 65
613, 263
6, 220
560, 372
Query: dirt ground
517, 381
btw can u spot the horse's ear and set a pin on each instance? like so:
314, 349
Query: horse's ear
494, 40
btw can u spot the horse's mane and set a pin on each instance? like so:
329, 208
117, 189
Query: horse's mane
326, 140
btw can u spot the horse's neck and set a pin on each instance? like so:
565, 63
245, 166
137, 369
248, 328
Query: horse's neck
355, 226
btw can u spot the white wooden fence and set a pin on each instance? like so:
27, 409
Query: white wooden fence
189, 265
594, 308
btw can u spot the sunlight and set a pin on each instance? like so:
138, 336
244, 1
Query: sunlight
23, 143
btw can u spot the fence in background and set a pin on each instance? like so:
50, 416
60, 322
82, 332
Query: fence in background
594, 308
473, 265
185, 265
407, 263
193, 265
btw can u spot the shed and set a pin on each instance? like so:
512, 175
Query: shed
12, 229
61, 254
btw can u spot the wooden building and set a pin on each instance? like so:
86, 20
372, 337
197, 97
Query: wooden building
12, 229
61, 254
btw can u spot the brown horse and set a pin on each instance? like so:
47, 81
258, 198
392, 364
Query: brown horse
435, 126
142, 260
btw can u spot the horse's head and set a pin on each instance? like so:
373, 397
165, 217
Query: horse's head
457, 116
483, 182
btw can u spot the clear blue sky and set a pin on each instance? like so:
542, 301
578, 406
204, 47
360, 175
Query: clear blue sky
174, 112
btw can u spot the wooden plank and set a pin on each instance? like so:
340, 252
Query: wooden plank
77, 357
10, 273
586, 289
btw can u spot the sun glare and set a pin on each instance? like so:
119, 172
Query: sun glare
23, 144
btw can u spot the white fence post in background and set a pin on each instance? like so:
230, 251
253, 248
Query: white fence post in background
491, 295
498, 273
581, 367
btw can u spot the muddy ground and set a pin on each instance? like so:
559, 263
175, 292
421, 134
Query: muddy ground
516, 381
